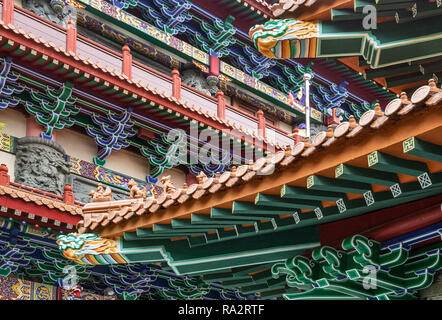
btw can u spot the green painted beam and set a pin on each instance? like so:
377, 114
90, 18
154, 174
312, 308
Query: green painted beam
165, 228
390, 71
386, 162
145, 233
359, 5
351, 173
186, 224
242, 207
422, 149
415, 77
202, 219
277, 202
237, 282
315, 182
273, 283
221, 213
290, 192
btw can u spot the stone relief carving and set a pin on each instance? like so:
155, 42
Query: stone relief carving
193, 77
53, 11
82, 186
41, 164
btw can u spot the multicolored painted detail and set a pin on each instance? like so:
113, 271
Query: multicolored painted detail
288, 38
186, 289
216, 37
124, 4
111, 133
293, 79
53, 109
33, 253
381, 47
213, 167
57, 5
357, 109
267, 108
362, 271
251, 61
74, 4
8, 85
92, 171
330, 98
151, 31
111, 33
89, 248
182, 47
16, 289
164, 154
7, 142
168, 15
253, 83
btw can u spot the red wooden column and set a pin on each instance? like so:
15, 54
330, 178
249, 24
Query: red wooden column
261, 123
127, 62
221, 105
8, 12
176, 84
4, 176
214, 66
71, 37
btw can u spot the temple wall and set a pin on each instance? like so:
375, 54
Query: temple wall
83, 147
284, 126
76, 144
131, 164
15, 123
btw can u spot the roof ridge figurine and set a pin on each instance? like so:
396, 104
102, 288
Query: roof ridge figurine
168, 185
135, 192
101, 194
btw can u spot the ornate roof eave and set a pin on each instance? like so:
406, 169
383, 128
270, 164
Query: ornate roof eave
48, 58
404, 122
18, 202
291, 38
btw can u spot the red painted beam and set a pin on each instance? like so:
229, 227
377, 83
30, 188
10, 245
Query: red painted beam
41, 211
384, 224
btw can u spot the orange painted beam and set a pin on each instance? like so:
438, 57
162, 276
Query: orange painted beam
420, 123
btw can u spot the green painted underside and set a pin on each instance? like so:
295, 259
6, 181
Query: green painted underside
389, 44
221, 255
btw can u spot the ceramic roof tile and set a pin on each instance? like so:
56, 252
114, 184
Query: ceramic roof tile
277, 161
39, 200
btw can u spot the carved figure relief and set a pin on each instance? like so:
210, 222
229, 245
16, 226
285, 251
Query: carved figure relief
41, 164
194, 78
82, 186
54, 11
